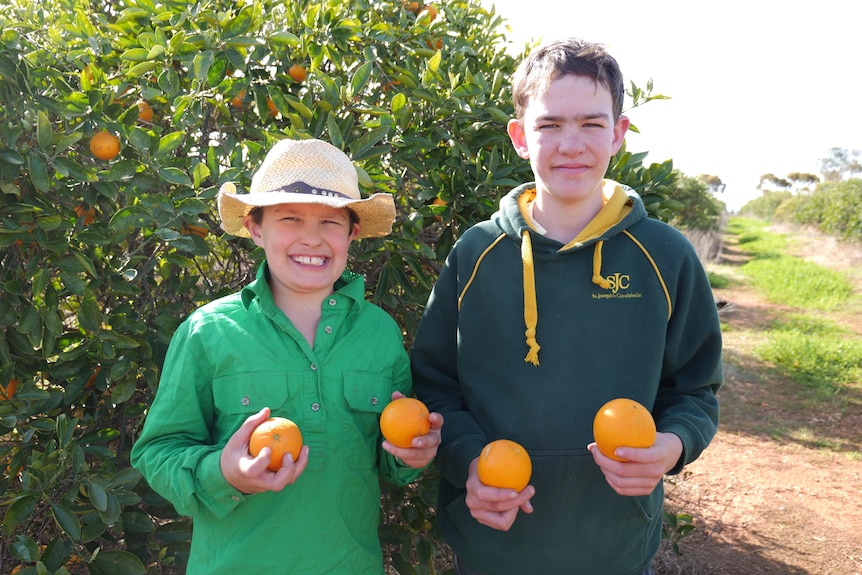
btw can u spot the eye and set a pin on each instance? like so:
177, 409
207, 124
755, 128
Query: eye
545, 127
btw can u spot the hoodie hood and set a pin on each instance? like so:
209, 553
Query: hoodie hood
622, 208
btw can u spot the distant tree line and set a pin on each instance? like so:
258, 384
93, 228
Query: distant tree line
833, 205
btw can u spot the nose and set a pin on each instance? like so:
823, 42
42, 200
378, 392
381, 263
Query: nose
310, 234
572, 142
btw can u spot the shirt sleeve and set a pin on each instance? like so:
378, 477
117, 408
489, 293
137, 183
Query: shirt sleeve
434, 358
176, 452
392, 469
686, 404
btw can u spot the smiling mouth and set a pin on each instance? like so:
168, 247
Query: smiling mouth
317, 261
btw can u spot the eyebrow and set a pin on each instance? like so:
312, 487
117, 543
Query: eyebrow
578, 117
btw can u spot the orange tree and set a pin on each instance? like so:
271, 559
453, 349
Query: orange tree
107, 245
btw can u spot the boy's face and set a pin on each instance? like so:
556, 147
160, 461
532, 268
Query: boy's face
569, 135
305, 246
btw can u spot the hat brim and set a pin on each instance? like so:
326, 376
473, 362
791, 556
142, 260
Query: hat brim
376, 212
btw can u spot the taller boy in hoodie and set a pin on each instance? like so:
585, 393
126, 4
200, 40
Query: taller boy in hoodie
569, 296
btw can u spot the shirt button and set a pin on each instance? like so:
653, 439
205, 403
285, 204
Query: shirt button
313, 367
245, 401
235, 497
332, 301
328, 329
315, 406
374, 401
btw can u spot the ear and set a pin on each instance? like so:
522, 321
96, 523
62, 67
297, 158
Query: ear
253, 229
518, 137
620, 129
356, 229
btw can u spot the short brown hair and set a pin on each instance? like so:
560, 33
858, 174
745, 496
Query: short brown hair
572, 56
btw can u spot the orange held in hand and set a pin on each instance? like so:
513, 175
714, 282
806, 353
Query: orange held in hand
281, 435
505, 464
623, 422
403, 419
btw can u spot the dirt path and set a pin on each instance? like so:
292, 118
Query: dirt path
779, 491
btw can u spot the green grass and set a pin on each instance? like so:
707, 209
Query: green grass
814, 353
753, 237
796, 282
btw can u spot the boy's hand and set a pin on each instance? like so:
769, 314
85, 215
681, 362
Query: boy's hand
249, 474
497, 508
424, 448
643, 468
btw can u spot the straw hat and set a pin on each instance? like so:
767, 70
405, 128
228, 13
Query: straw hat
306, 172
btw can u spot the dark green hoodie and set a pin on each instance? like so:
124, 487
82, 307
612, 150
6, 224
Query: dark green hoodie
524, 339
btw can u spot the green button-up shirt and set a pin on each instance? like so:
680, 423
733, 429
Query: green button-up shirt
233, 357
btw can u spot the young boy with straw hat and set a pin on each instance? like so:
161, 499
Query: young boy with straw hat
301, 342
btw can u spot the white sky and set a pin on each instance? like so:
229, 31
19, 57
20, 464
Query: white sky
756, 87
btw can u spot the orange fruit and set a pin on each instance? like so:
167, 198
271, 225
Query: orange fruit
189, 229
145, 111
432, 11
281, 435
86, 212
273, 111
623, 422
403, 419
297, 72
105, 145
505, 464
237, 100
8, 392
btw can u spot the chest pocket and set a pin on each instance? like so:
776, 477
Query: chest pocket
365, 394
240, 395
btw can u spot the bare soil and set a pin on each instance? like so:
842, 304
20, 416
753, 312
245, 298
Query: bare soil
779, 490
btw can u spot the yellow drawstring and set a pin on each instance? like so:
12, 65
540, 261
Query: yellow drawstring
597, 267
531, 314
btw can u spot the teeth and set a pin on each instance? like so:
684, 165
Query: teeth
310, 260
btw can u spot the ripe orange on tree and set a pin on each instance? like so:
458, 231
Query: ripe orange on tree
505, 464
297, 72
623, 422
281, 435
105, 145
273, 111
86, 212
237, 101
192, 229
403, 419
8, 392
145, 111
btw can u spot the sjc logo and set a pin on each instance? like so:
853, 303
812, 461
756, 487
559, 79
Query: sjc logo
618, 282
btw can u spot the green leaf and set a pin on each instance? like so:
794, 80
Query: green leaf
130, 217
139, 70
135, 55
117, 563
239, 25
43, 130
170, 142
201, 65
360, 78
175, 176
367, 140
67, 521
39, 172
90, 314
18, 511
98, 497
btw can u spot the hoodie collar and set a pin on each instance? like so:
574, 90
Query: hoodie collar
617, 207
